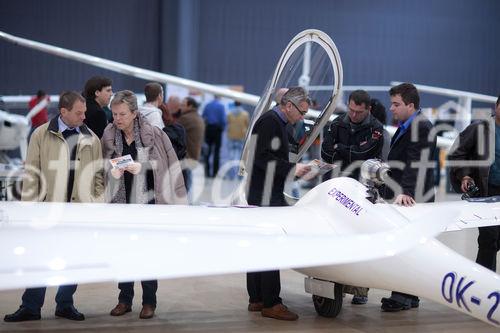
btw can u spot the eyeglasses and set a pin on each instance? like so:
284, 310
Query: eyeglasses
303, 113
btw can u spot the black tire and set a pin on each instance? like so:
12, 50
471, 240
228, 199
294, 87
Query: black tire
327, 307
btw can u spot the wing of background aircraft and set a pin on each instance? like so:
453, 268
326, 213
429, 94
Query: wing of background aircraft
129, 70
311, 59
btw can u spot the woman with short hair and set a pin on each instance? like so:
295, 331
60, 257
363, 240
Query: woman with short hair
153, 177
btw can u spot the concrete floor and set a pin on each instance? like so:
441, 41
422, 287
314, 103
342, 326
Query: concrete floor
218, 303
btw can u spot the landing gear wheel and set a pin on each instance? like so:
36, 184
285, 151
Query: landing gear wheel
327, 307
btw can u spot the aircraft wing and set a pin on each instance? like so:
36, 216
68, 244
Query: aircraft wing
473, 213
60, 243
319, 73
128, 69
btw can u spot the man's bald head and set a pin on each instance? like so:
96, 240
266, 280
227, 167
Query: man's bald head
174, 103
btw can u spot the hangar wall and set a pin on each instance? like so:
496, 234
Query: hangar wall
448, 43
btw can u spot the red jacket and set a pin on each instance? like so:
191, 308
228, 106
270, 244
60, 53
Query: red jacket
41, 117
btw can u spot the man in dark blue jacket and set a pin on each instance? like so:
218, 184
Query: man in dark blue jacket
214, 115
411, 160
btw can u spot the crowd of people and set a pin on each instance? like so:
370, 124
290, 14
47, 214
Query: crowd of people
165, 140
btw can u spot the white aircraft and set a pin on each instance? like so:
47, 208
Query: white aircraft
14, 131
396, 248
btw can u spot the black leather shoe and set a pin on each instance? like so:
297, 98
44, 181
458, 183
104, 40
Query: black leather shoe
359, 300
390, 305
70, 313
22, 314
415, 302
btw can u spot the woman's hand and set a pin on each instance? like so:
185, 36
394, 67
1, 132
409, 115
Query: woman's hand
117, 173
134, 168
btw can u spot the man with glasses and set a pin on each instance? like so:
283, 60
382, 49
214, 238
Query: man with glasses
269, 171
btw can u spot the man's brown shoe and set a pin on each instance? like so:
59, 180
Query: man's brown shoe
280, 312
147, 312
120, 309
255, 307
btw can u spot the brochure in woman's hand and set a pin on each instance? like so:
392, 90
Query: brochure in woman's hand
121, 162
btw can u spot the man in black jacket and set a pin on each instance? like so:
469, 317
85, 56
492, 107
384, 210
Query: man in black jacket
269, 171
411, 161
351, 139
97, 93
354, 136
474, 162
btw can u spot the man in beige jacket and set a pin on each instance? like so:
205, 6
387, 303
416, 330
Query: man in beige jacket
63, 164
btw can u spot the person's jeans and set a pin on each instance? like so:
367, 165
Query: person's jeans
149, 289
235, 148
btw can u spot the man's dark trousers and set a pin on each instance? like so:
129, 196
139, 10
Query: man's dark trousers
489, 239
213, 138
149, 289
264, 287
33, 298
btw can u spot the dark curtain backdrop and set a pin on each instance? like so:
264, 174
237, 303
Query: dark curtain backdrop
447, 43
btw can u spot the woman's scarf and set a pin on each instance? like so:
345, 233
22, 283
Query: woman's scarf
139, 185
